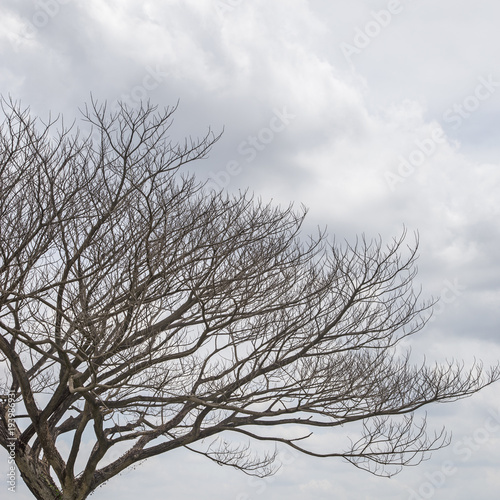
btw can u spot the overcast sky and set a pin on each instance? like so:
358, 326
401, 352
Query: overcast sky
374, 114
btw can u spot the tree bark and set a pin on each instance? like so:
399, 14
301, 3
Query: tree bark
35, 473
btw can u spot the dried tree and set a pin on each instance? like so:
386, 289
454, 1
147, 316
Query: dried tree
139, 307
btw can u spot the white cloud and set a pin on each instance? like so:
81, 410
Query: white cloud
353, 123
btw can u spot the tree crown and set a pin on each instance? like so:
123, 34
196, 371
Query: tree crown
139, 305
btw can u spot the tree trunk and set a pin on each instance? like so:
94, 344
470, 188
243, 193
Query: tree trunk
35, 474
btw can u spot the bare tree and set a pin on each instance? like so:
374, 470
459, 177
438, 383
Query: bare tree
138, 307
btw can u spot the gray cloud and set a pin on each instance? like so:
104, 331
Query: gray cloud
353, 122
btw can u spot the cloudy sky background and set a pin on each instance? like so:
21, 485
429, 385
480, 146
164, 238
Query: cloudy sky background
374, 114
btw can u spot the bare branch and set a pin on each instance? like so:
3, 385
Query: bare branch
139, 307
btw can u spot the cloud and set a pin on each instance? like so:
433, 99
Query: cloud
235, 64
315, 487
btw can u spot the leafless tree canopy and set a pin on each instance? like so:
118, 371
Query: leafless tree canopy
141, 309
